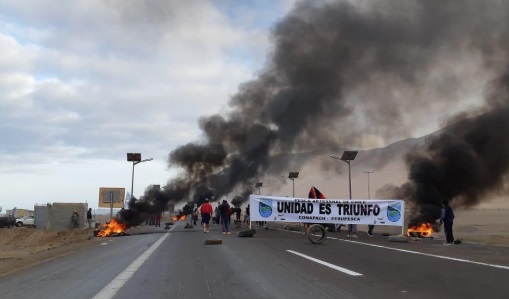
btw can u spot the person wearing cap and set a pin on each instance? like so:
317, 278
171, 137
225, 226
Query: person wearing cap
206, 213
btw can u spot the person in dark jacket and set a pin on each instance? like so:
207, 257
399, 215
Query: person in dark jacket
246, 215
218, 215
237, 213
89, 217
447, 217
224, 211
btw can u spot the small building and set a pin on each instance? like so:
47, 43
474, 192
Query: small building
57, 216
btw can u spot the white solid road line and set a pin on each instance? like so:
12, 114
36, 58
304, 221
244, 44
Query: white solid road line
419, 253
338, 268
429, 254
110, 290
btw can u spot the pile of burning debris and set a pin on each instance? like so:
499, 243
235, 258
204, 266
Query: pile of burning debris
182, 217
423, 230
113, 228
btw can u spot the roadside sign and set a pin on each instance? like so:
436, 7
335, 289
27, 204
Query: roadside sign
109, 195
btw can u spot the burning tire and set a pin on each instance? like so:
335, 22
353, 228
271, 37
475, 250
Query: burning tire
316, 234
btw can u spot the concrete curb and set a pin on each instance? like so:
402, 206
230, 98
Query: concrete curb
293, 228
398, 238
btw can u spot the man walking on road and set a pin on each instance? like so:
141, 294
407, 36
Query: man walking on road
206, 214
224, 210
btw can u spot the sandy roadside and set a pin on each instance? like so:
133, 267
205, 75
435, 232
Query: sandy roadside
21, 248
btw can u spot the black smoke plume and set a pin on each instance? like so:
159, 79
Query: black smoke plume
464, 164
342, 72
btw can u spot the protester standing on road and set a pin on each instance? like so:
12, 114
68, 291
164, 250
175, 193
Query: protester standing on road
447, 217
224, 211
370, 230
194, 216
158, 220
238, 211
230, 213
218, 215
352, 231
89, 217
206, 214
75, 219
246, 216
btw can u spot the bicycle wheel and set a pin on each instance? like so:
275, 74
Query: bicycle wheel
316, 234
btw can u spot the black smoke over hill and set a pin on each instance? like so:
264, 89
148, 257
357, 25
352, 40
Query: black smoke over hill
464, 164
343, 71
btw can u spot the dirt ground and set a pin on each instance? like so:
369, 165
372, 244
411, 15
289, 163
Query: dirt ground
23, 247
487, 226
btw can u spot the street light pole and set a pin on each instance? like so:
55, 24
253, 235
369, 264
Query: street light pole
292, 176
368, 173
132, 181
347, 157
349, 179
136, 159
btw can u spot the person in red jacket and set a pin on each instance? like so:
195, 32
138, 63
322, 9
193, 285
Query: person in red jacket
206, 213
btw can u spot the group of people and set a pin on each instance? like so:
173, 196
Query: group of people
222, 215
154, 220
223, 212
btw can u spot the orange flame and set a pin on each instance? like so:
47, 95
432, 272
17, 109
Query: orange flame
114, 227
424, 230
177, 218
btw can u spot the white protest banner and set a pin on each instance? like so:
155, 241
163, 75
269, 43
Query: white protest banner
311, 210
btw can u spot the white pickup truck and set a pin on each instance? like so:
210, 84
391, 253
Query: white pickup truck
25, 221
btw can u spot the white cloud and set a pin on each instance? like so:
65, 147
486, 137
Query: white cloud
84, 82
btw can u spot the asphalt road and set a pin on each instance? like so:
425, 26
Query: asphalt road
274, 264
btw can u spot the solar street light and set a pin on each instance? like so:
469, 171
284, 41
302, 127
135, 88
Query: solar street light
136, 159
347, 157
292, 176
